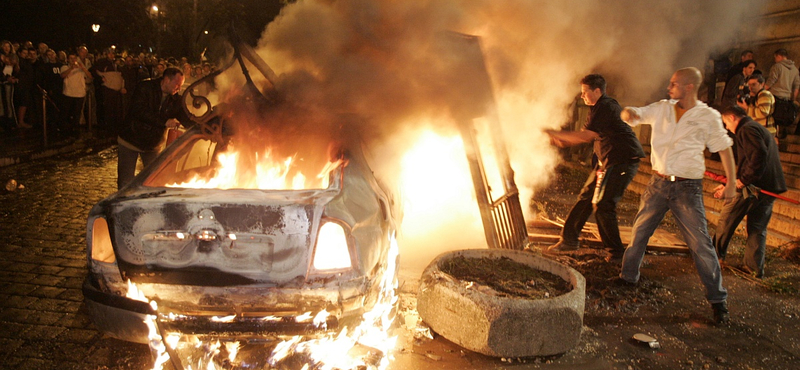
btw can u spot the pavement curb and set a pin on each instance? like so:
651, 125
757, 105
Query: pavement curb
57, 149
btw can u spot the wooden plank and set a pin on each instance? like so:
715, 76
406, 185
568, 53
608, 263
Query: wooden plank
655, 246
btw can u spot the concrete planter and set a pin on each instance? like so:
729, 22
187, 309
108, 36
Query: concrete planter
500, 326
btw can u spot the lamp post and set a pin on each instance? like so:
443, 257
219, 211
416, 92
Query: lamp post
154, 13
95, 30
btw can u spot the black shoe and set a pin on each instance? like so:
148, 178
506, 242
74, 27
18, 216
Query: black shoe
563, 247
721, 315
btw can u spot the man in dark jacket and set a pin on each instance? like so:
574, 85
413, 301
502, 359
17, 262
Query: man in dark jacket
758, 167
156, 106
617, 152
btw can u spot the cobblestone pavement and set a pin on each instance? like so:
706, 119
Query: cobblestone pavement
43, 324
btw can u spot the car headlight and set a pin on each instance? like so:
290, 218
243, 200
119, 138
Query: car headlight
102, 250
331, 252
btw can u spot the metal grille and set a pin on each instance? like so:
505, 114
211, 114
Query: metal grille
509, 223
503, 221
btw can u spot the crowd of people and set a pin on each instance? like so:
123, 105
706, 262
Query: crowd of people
770, 99
74, 90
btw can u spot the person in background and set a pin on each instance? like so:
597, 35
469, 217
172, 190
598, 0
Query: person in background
188, 75
42, 52
616, 155
760, 104
735, 86
156, 107
159, 70
683, 127
744, 56
89, 112
783, 82
23, 92
74, 93
62, 57
49, 70
759, 167
8, 63
132, 73
113, 88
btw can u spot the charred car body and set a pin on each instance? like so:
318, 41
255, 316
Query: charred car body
237, 259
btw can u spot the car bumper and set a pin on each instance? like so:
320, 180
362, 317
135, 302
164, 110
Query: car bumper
124, 318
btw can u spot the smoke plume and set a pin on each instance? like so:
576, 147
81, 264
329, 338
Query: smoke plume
381, 60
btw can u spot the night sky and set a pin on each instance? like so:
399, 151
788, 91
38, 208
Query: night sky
131, 25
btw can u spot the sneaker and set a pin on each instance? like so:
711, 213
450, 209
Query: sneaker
563, 246
721, 315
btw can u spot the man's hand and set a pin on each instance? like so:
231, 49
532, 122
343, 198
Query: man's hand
742, 104
629, 115
729, 192
718, 191
172, 123
554, 140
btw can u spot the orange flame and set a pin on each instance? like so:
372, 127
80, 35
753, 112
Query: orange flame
268, 173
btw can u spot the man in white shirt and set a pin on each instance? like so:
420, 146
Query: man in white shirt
74, 90
683, 127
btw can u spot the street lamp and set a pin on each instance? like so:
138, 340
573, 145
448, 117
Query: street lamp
95, 30
154, 16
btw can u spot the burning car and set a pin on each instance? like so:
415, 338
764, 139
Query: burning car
273, 226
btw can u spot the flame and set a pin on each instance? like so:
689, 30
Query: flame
268, 173
155, 340
332, 351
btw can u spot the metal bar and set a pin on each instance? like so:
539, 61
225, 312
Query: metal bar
724, 180
478, 181
44, 117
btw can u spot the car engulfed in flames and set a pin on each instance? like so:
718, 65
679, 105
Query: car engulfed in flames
235, 241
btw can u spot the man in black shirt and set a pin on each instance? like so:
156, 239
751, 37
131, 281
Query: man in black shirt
616, 153
758, 167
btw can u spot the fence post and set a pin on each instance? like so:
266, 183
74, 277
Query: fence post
44, 116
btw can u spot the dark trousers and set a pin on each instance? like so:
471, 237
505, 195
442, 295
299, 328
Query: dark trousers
72, 108
112, 111
126, 164
612, 187
758, 209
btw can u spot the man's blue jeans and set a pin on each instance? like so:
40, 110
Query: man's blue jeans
758, 209
685, 200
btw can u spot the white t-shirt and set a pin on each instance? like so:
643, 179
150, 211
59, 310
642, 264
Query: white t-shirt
112, 80
74, 84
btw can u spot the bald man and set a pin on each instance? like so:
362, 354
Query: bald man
683, 127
